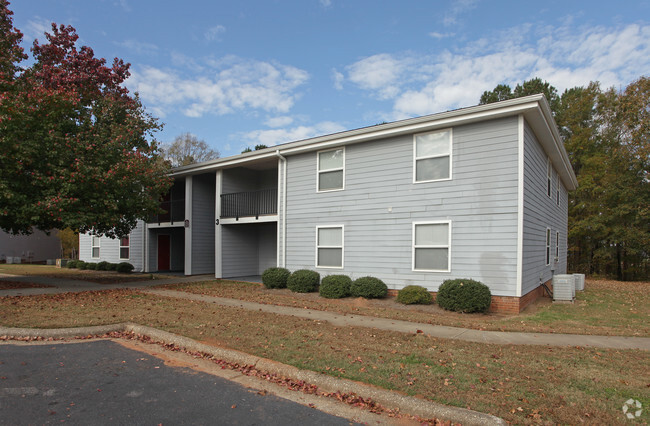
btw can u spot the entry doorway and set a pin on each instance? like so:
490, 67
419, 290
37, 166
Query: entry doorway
164, 252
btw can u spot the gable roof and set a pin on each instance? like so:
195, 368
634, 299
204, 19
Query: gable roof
535, 110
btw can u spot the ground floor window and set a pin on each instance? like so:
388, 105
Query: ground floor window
557, 246
431, 246
95, 247
548, 246
124, 248
329, 246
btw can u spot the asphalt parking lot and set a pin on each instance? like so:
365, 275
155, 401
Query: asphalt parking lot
103, 382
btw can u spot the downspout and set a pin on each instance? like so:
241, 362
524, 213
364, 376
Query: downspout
284, 207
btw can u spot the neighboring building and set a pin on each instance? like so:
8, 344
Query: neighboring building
478, 193
37, 247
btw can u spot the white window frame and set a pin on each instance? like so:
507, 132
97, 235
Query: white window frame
548, 246
549, 174
557, 189
557, 246
126, 247
319, 171
342, 246
448, 246
94, 238
450, 155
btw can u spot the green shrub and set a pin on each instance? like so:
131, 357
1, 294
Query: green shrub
81, 264
464, 295
303, 281
335, 286
102, 266
368, 287
91, 266
275, 277
111, 267
72, 264
414, 295
124, 267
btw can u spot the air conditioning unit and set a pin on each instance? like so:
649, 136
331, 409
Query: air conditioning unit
580, 281
564, 287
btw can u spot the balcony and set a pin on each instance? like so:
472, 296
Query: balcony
249, 204
174, 212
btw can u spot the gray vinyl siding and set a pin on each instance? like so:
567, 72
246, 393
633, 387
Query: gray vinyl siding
541, 212
380, 203
202, 226
109, 249
248, 249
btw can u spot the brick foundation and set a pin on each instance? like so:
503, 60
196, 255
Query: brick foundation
507, 304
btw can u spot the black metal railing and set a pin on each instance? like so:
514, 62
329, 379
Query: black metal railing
246, 204
174, 212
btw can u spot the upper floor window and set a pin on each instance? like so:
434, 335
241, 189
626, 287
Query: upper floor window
95, 247
124, 248
548, 246
329, 246
549, 172
432, 156
431, 245
557, 189
331, 170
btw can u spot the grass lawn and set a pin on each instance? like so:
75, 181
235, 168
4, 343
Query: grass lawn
522, 384
99, 277
604, 308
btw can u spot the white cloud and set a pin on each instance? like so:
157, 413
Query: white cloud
229, 85
338, 79
214, 33
279, 121
325, 3
277, 136
565, 56
440, 36
36, 29
459, 7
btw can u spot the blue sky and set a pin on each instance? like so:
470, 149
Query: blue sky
239, 73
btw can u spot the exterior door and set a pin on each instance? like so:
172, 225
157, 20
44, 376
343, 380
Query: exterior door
164, 249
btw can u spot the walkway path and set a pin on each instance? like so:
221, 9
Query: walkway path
481, 336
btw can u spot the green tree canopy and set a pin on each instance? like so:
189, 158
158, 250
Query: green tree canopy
76, 149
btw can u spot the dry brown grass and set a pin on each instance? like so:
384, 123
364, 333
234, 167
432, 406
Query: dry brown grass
522, 384
627, 308
99, 277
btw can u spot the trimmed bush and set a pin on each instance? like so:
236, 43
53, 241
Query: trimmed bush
111, 267
369, 288
102, 266
335, 286
81, 264
464, 295
414, 295
275, 277
91, 266
303, 281
72, 264
124, 267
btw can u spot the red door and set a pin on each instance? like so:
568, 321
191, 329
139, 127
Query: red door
163, 252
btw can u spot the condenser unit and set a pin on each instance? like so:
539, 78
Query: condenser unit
564, 287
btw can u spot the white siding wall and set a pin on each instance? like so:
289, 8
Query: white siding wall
380, 203
109, 250
541, 212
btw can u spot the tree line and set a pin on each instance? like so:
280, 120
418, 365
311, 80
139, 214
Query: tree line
606, 134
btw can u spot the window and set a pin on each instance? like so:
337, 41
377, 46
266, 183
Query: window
95, 247
124, 248
331, 170
548, 246
557, 189
329, 246
431, 244
432, 156
549, 171
557, 246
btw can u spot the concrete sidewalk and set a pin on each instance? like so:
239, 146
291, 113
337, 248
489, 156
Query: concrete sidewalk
480, 336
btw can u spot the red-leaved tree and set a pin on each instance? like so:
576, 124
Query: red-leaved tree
76, 148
